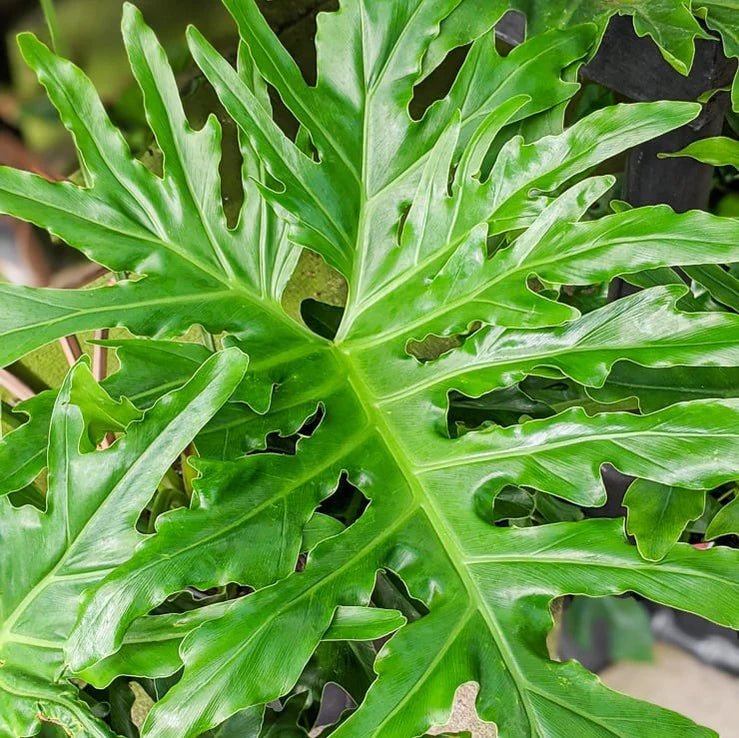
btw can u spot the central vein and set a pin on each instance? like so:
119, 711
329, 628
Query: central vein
401, 457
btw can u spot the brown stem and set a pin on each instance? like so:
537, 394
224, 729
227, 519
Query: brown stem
100, 356
17, 387
72, 349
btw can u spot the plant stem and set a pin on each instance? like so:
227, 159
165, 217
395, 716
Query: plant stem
16, 386
726, 494
52, 23
208, 340
71, 348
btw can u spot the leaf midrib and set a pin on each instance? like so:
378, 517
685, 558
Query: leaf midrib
387, 435
542, 359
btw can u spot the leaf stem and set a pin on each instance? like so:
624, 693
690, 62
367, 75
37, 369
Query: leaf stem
71, 348
52, 23
17, 387
726, 494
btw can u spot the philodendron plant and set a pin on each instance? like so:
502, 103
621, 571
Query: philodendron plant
456, 232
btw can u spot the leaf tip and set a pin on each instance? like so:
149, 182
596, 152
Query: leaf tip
132, 21
195, 40
30, 44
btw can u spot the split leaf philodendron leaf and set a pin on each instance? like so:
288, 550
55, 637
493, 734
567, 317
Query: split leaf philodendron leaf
658, 514
48, 558
450, 225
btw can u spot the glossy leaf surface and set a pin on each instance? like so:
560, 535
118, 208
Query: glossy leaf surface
449, 225
50, 557
726, 522
658, 515
718, 151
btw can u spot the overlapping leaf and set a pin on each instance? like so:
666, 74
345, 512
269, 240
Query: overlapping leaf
673, 25
658, 515
48, 558
148, 370
450, 226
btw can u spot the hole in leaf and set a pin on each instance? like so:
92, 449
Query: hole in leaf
335, 706
322, 318
347, 503
600, 630
391, 593
33, 494
511, 505
193, 598
279, 444
405, 210
170, 495
434, 346
283, 116
464, 720
436, 86
29, 495
305, 143
50, 730
200, 101
503, 407
586, 298
313, 279
296, 24
521, 507
333, 682
551, 509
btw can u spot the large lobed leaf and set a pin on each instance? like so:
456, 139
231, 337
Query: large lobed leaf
451, 225
49, 557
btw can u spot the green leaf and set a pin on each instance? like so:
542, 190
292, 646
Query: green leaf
669, 23
658, 388
151, 646
726, 522
719, 151
719, 283
121, 699
672, 24
446, 226
148, 370
87, 529
720, 16
658, 514
171, 230
519, 561
363, 624
663, 276
23, 450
